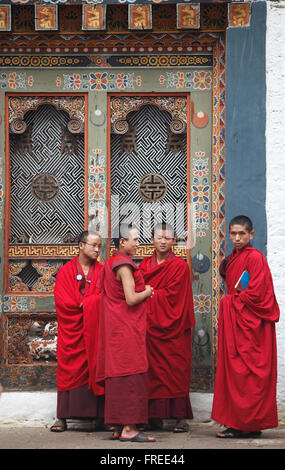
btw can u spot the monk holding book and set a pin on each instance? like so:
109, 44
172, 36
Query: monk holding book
246, 377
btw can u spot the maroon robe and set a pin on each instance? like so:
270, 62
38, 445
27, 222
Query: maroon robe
77, 326
245, 385
122, 328
122, 360
170, 317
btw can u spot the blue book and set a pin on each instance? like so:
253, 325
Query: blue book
243, 281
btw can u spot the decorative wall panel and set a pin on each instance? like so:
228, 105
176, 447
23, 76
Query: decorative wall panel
47, 188
33, 340
47, 179
149, 176
166, 63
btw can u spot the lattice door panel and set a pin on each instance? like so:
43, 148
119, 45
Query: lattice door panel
47, 179
149, 171
47, 188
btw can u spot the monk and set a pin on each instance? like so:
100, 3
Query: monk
77, 301
245, 385
170, 317
122, 360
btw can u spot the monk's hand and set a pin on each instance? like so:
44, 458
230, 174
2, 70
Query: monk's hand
81, 305
149, 290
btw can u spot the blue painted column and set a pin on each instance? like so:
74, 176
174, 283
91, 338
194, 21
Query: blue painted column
245, 124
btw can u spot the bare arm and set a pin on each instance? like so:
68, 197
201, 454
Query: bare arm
125, 274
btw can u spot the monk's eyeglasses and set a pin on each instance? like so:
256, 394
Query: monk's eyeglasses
90, 244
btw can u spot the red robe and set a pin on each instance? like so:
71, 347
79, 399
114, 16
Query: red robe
122, 328
245, 386
77, 326
170, 317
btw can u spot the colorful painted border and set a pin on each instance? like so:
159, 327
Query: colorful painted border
165, 60
179, 42
42, 251
218, 188
145, 250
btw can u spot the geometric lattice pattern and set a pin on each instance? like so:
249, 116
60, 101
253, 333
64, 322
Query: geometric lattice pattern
152, 156
33, 275
44, 165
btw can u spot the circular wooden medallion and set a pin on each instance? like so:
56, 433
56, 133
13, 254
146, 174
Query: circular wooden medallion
152, 187
45, 187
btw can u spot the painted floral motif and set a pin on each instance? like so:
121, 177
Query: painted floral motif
30, 80
202, 80
122, 80
70, 81
15, 80
201, 219
201, 233
202, 303
96, 170
15, 303
201, 193
177, 80
97, 190
200, 167
200, 154
98, 81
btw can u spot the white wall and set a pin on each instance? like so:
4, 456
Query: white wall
275, 191
18, 409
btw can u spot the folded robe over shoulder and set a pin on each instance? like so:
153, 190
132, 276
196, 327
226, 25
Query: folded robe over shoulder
122, 328
170, 317
77, 326
245, 385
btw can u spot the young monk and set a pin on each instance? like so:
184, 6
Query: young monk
77, 301
122, 360
245, 386
170, 317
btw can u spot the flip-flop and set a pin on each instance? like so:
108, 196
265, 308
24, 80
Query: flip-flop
182, 426
139, 437
58, 427
113, 437
231, 433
